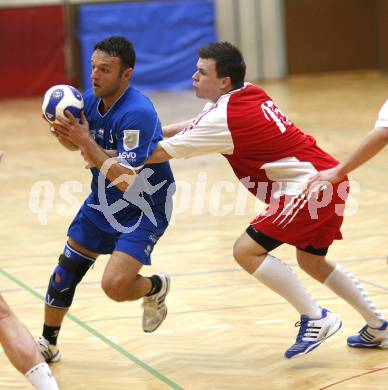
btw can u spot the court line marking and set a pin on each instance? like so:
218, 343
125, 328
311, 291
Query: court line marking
353, 377
100, 336
220, 308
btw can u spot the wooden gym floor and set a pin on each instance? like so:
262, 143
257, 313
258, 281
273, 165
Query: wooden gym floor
224, 330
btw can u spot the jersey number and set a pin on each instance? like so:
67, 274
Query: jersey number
271, 112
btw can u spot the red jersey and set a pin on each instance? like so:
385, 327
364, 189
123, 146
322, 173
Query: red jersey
267, 152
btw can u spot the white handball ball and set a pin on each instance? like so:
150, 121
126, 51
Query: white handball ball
61, 98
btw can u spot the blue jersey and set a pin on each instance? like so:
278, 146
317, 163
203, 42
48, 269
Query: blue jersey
132, 127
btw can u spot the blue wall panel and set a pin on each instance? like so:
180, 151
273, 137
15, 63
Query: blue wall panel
166, 36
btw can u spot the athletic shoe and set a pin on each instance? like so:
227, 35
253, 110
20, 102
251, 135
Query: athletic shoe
369, 337
49, 351
312, 332
155, 309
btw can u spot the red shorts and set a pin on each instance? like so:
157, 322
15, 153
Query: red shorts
297, 222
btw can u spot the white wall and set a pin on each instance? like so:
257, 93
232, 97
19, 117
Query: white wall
257, 28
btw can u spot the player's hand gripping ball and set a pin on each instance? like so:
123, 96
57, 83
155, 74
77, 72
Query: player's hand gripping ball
61, 98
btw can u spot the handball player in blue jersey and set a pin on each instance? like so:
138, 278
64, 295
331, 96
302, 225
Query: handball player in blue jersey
129, 207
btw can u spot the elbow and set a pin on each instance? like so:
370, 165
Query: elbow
382, 133
154, 160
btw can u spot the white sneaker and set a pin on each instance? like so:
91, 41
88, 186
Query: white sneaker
49, 351
312, 332
155, 309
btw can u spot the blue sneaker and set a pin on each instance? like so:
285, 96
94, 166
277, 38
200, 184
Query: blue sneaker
312, 332
369, 337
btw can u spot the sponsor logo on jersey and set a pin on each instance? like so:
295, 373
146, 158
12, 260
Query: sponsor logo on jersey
131, 139
127, 155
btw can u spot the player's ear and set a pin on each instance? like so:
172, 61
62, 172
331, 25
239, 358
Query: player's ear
226, 83
128, 73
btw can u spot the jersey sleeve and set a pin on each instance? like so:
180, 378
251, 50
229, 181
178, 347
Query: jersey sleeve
208, 133
136, 133
382, 119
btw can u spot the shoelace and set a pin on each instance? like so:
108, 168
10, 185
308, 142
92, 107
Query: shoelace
312, 331
303, 327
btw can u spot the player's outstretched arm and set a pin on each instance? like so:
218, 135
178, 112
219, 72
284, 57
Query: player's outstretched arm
332, 175
369, 147
175, 128
159, 155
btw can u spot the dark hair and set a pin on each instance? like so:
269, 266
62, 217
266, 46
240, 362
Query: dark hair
229, 61
120, 47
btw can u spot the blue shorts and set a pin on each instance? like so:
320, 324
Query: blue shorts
139, 244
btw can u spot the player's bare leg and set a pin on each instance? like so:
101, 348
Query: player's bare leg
54, 316
16, 340
122, 282
21, 350
316, 266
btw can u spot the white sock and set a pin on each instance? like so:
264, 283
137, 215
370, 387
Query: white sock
41, 377
280, 278
345, 285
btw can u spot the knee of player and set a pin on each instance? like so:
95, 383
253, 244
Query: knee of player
5, 312
301, 262
310, 264
114, 289
239, 252
71, 268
